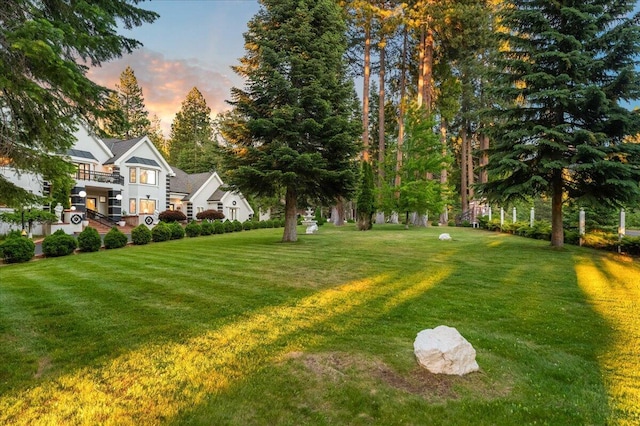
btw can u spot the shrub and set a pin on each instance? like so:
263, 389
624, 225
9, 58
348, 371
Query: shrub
630, 245
600, 240
141, 235
161, 232
248, 225
59, 244
89, 240
237, 226
206, 228
114, 239
16, 249
177, 231
228, 226
210, 215
218, 227
571, 237
172, 216
193, 229
268, 223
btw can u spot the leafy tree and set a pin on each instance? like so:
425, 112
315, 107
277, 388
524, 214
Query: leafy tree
154, 132
131, 118
365, 203
192, 147
564, 70
294, 129
44, 90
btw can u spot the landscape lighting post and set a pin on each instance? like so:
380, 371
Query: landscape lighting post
581, 225
532, 217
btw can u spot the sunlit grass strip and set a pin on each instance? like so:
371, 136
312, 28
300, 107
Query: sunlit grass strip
615, 294
153, 384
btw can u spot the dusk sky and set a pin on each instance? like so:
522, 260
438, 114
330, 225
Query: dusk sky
193, 43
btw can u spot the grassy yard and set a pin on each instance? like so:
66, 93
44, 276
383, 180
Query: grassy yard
239, 329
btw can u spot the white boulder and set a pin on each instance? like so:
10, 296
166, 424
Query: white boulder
443, 350
444, 237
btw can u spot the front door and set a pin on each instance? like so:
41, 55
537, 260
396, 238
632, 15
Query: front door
91, 204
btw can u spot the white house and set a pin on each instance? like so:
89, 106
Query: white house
116, 178
193, 193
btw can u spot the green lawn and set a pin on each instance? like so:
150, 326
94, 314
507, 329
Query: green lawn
239, 329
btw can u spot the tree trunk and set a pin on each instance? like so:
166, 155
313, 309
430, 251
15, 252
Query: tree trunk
463, 169
557, 231
403, 85
470, 176
381, 139
290, 216
444, 217
420, 99
484, 158
337, 215
427, 69
365, 92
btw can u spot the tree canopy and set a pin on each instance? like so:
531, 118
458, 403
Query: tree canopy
563, 73
130, 118
294, 128
44, 91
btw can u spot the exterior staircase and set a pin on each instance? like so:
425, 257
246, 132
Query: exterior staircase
103, 229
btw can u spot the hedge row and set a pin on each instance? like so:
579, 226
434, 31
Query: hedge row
541, 230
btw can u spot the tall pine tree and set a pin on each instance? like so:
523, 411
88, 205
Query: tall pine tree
565, 68
191, 146
296, 127
129, 118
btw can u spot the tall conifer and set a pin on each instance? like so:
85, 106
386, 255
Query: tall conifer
564, 70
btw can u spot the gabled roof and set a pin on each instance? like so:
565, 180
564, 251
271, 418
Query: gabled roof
145, 161
119, 148
217, 195
185, 183
81, 154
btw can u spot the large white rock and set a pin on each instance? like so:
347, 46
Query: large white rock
443, 350
444, 237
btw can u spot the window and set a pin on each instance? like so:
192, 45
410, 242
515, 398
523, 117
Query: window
148, 176
132, 206
147, 206
84, 171
199, 209
132, 174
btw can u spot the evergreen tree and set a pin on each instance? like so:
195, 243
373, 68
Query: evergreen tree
44, 90
564, 69
192, 147
130, 117
296, 127
157, 137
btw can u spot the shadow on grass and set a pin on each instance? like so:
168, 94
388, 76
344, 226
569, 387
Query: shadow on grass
191, 346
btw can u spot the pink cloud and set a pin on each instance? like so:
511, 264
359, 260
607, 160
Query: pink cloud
166, 82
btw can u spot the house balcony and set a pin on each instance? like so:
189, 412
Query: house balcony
102, 177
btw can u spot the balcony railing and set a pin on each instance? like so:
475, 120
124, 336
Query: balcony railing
100, 177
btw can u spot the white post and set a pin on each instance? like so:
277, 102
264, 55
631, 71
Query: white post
621, 229
489, 213
581, 225
514, 215
501, 216
532, 217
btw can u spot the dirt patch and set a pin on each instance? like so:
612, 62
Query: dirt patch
340, 366
44, 364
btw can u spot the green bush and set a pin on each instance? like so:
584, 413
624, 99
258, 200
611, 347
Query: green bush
600, 240
193, 229
630, 245
141, 235
177, 231
59, 244
16, 249
206, 228
114, 239
218, 227
237, 226
161, 232
89, 240
571, 236
248, 225
228, 226
268, 223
